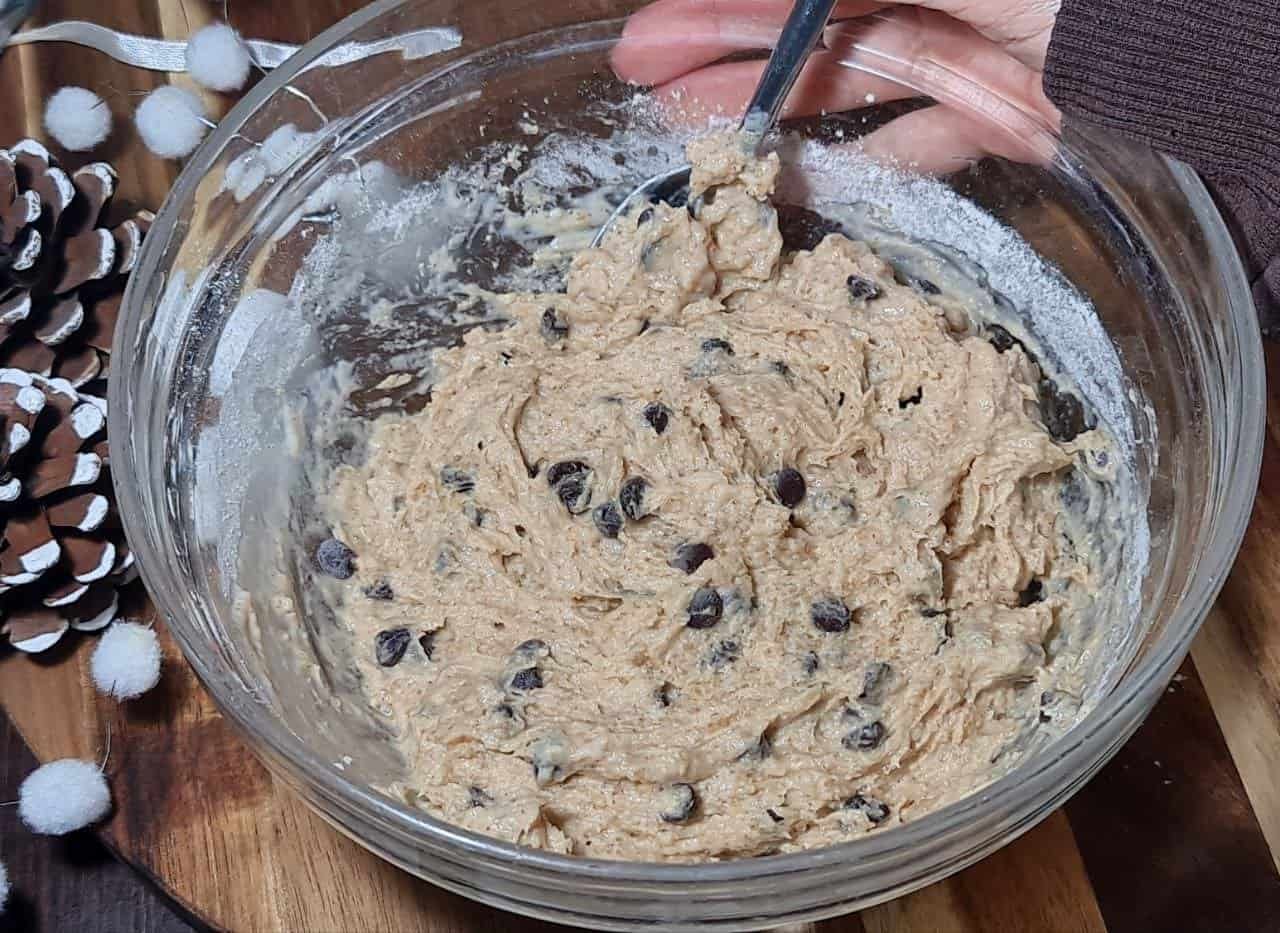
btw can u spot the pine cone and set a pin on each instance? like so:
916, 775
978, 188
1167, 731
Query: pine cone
62, 277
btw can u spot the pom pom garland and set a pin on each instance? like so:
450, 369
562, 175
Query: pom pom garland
126, 663
217, 58
63, 796
77, 118
171, 122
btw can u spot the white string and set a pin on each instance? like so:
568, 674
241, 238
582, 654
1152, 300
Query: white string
103, 766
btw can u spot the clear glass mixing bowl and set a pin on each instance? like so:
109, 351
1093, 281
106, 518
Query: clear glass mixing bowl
215, 367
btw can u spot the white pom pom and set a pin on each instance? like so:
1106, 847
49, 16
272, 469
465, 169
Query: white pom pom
63, 796
126, 663
171, 122
217, 58
4, 886
77, 118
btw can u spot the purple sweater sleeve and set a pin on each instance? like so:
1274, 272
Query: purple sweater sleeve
1198, 79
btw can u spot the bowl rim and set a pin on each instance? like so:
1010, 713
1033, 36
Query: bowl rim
1071, 756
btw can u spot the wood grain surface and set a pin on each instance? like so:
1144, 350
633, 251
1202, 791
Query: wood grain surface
73, 882
1180, 832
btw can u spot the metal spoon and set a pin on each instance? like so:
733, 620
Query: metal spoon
799, 35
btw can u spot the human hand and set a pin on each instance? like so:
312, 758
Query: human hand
680, 46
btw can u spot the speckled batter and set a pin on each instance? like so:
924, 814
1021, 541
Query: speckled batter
724, 552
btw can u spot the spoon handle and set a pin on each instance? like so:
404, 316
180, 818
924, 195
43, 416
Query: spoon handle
800, 34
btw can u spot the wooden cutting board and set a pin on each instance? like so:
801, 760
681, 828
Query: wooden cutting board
1178, 833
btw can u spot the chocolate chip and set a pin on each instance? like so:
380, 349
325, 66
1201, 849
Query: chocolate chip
1048, 699
865, 738
1033, 594
553, 329
569, 480
665, 694
456, 480
607, 518
477, 797
564, 469
758, 750
575, 494
705, 608
505, 709
875, 811
680, 804
774, 815
528, 679
780, 368
873, 681
1063, 413
917, 282
912, 399
711, 344
725, 652
689, 557
631, 497
810, 663
788, 487
862, 289
1001, 339
474, 513
380, 590
533, 648
658, 415
427, 642
335, 559
930, 613
390, 645
646, 215
830, 615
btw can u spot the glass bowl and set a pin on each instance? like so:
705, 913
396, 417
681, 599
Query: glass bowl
224, 371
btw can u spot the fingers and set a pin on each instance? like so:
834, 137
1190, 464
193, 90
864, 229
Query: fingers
948, 57
939, 140
670, 38
924, 47
824, 86
998, 102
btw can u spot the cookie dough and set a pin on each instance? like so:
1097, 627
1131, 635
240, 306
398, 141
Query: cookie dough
725, 551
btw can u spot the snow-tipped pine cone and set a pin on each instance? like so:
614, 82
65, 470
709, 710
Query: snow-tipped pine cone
62, 276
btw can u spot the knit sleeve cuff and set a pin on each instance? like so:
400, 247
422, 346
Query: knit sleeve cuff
1193, 79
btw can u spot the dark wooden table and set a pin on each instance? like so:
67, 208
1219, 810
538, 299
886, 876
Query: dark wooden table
1167, 834
72, 883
